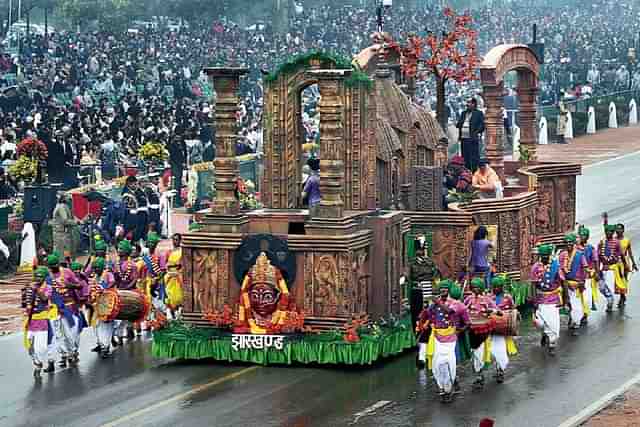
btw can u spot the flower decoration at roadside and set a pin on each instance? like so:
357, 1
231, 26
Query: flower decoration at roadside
24, 169
153, 152
32, 148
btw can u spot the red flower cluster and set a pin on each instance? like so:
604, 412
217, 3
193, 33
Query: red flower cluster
351, 328
450, 55
220, 320
33, 148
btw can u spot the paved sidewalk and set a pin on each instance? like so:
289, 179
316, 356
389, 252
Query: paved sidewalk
623, 412
588, 149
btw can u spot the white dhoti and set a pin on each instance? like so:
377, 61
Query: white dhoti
608, 285
478, 359
499, 351
548, 317
53, 347
39, 347
576, 307
422, 352
587, 294
444, 364
105, 333
120, 328
68, 336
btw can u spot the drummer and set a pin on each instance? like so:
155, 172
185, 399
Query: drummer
85, 301
545, 276
71, 322
125, 274
478, 305
100, 280
501, 346
441, 349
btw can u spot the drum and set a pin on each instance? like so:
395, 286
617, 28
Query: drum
116, 304
508, 324
480, 328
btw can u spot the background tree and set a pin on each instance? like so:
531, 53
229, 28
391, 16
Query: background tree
450, 55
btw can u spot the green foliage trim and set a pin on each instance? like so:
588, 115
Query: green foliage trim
356, 79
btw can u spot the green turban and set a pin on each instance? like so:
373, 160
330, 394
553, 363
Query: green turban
194, 226
41, 273
610, 228
445, 284
98, 263
76, 266
53, 260
583, 231
153, 238
125, 246
455, 291
100, 246
571, 238
497, 282
545, 250
477, 282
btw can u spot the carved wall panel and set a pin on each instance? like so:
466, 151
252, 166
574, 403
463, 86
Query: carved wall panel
187, 279
545, 223
566, 202
428, 188
450, 247
509, 241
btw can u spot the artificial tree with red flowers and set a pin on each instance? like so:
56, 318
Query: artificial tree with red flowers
452, 55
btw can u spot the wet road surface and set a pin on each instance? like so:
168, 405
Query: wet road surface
133, 389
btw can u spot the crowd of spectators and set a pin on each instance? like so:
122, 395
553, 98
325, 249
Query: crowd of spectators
96, 97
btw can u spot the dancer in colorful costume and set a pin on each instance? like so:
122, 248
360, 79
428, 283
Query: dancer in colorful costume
483, 305
125, 273
100, 280
573, 271
99, 251
173, 278
153, 277
609, 259
628, 263
441, 349
67, 293
37, 326
500, 346
545, 276
590, 292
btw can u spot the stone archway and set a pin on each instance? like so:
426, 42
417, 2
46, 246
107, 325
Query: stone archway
496, 64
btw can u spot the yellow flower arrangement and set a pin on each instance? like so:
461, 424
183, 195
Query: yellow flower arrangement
203, 167
153, 152
24, 169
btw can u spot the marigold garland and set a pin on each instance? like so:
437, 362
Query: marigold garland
24, 169
153, 152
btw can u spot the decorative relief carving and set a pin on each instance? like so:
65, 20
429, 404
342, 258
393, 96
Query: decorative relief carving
428, 188
205, 279
326, 286
544, 218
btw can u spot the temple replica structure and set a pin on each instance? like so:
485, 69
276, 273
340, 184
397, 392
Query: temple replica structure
283, 285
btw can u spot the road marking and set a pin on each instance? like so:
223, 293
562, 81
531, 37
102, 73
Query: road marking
370, 410
597, 406
635, 153
179, 397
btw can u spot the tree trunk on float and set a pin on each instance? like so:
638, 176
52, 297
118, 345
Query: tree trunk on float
441, 111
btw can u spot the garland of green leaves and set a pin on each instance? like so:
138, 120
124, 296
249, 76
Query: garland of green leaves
180, 341
356, 79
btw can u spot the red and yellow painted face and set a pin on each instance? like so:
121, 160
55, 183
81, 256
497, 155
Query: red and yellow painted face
264, 299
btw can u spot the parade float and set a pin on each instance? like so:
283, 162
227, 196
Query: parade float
287, 285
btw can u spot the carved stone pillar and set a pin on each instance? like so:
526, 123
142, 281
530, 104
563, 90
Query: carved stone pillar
331, 142
225, 209
494, 125
527, 92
